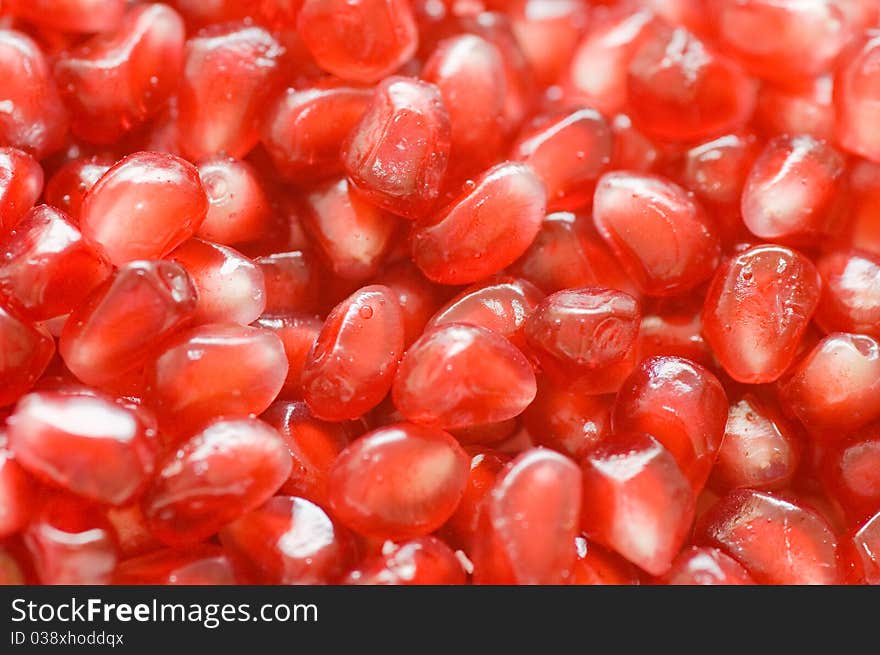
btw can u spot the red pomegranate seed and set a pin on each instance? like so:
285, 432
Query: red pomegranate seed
131, 532
596, 566
86, 16
422, 561
293, 282
229, 74
698, 565
676, 331
25, 352
679, 403
33, 117
46, 269
217, 476
855, 98
362, 41
198, 565
297, 333
850, 299
419, 298
757, 309
67, 188
636, 501
716, 170
851, 473
866, 544
71, 543
117, 80
760, 449
287, 541
144, 207
17, 493
807, 108
238, 209
458, 375
864, 185
491, 223
792, 188
191, 381
21, 181
663, 238
398, 482
777, 541
529, 522
119, 325
548, 32
352, 363
87, 445
11, 572
568, 151
304, 128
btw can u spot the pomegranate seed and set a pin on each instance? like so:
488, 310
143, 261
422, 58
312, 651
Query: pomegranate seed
45, 268
852, 474
548, 32
143, 207
362, 41
866, 544
597, 566
636, 501
87, 445
419, 299
491, 223
398, 482
230, 72
807, 108
11, 572
458, 375
287, 541
757, 309
119, 325
67, 188
117, 80
529, 522
238, 210
855, 98
675, 331
659, 233
760, 449
569, 152
131, 532
86, 16
292, 282
304, 128
33, 119
21, 181
191, 381
217, 476
25, 352
297, 334
777, 541
706, 566
351, 365
850, 299
716, 170
199, 565
17, 493
864, 185
421, 561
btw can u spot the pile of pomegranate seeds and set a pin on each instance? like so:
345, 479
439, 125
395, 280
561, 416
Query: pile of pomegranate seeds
440, 291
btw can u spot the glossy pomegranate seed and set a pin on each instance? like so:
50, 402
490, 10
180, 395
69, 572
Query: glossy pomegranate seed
88, 445
220, 474
33, 119
548, 32
850, 299
198, 565
144, 207
397, 154
852, 474
230, 72
760, 449
806, 108
855, 97
398, 482
679, 403
118, 326
238, 209
353, 361
458, 375
25, 352
597, 566
674, 331
287, 541
706, 566
230, 287
663, 238
46, 269
298, 332
836, 387
305, 128
529, 522
353, 234
792, 188
67, 188
87, 16
17, 493
363, 41
636, 501
866, 546
716, 170
418, 298
680, 89
117, 80
864, 185
568, 151
292, 280
777, 541
491, 223
757, 309
191, 381
70, 543
130, 530
421, 561
21, 181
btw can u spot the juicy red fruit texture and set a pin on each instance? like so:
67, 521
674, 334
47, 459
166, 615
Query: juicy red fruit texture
25, 352
421, 561
21, 180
